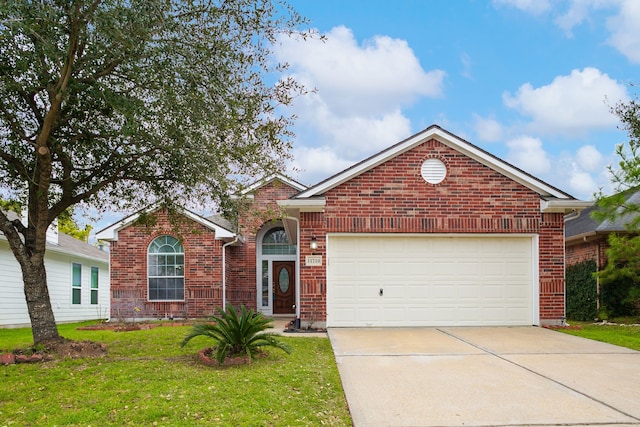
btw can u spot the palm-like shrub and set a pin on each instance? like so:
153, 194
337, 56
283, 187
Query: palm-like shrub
237, 334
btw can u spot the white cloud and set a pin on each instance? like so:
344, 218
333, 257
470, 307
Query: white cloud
623, 25
580, 11
354, 136
581, 173
570, 104
317, 163
362, 90
487, 129
534, 7
527, 153
351, 136
625, 31
581, 182
589, 159
375, 77
584, 172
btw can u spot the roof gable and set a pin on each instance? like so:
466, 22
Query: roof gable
435, 132
111, 232
268, 180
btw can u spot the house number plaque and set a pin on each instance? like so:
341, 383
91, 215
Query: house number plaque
313, 260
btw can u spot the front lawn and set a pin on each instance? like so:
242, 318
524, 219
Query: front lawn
147, 379
625, 336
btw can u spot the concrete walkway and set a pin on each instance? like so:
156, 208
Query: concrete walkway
485, 377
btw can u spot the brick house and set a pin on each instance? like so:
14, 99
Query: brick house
432, 231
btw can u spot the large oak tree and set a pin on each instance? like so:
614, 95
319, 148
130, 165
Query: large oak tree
119, 103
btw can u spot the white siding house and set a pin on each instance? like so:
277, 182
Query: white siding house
78, 280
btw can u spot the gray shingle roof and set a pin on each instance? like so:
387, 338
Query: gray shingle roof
70, 245
73, 245
221, 221
585, 224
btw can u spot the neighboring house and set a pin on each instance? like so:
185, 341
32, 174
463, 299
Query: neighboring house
587, 238
432, 231
77, 278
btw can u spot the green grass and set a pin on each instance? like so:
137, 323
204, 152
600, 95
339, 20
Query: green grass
625, 336
147, 379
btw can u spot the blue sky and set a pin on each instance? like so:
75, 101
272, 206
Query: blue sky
530, 81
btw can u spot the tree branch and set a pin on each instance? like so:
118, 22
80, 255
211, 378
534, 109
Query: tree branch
13, 161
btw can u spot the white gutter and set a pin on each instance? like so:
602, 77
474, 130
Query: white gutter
303, 205
563, 206
224, 271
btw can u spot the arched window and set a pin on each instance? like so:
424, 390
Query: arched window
275, 242
166, 269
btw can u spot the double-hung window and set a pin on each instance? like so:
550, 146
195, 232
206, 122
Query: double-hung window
166, 269
95, 274
76, 283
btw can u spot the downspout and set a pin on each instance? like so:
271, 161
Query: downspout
598, 277
297, 321
224, 271
575, 215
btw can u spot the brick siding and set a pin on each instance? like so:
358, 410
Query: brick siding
203, 271
241, 260
590, 250
393, 198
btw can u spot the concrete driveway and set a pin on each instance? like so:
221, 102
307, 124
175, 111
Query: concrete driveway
485, 377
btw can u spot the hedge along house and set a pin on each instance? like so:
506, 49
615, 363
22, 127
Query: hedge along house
432, 231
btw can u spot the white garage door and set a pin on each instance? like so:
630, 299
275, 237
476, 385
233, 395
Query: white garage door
411, 280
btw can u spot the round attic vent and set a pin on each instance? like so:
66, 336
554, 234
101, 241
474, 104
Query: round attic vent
433, 171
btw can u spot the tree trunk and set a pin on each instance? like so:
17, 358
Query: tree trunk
36, 292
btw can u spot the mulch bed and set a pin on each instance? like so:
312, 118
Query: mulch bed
124, 327
54, 349
305, 330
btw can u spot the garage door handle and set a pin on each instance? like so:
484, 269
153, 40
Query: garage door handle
381, 291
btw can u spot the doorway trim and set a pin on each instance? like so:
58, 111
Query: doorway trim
284, 301
264, 271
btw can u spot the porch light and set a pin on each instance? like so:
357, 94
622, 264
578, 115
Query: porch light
314, 243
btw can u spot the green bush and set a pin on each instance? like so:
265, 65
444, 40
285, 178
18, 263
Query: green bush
241, 335
581, 291
614, 296
620, 279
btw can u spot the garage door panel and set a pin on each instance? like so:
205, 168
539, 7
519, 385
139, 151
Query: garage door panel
493, 291
367, 269
395, 315
429, 280
344, 293
419, 292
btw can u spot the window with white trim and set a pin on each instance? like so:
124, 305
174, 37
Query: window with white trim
95, 274
76, 283
165, 269
276, 242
